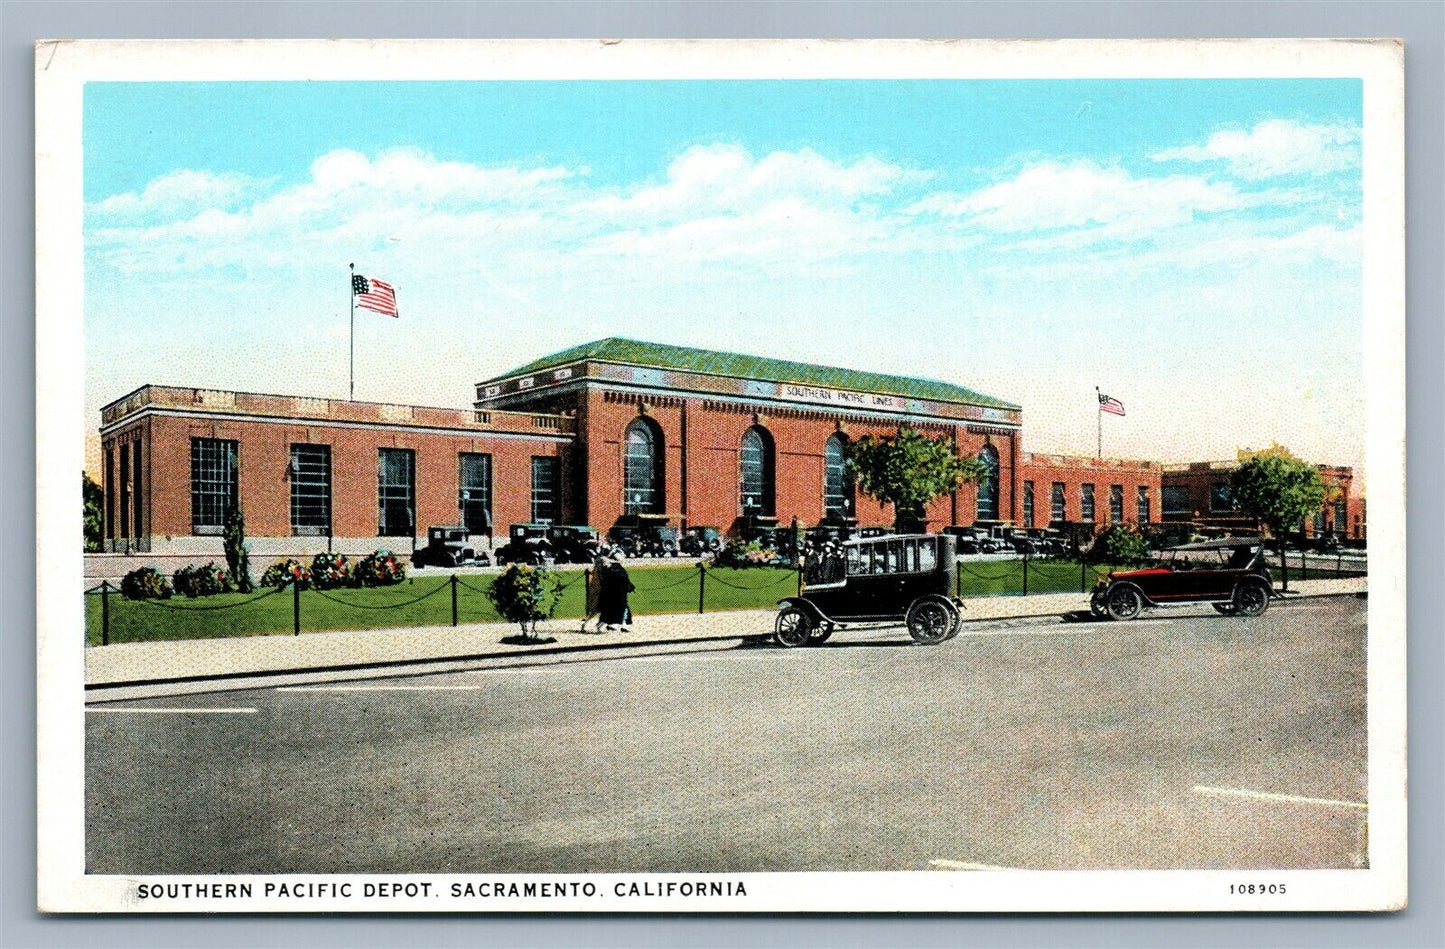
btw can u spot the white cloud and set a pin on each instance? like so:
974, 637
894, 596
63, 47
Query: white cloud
1276, 147
178, 192
1094, 201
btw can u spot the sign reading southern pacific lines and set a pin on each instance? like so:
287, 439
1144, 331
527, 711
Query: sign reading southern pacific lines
855, 400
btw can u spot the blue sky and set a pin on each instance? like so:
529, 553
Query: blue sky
1192, 247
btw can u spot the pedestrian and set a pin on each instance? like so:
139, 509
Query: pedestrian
612, 601
594, 592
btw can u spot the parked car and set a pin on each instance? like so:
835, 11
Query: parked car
446, 546
526, 543
700, 541
1230, 574
902, 579
572, 543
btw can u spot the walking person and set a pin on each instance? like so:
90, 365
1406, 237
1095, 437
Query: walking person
593, 607
612, 602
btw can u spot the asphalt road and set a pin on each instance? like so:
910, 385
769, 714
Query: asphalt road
1177, 741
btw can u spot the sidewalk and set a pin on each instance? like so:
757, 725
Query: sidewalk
193, 659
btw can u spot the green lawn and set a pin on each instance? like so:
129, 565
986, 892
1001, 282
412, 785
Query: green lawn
426, 601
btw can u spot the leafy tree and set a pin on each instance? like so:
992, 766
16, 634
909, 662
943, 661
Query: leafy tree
524, 594
1280, 491
94, 517
909, 469
1119, 544
238, 555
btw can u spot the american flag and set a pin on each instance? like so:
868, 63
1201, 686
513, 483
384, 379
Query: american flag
373, 294
1111, 405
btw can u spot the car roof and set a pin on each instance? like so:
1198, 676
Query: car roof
1222, 543
883, 537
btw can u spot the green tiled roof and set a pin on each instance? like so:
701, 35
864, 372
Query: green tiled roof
633, 352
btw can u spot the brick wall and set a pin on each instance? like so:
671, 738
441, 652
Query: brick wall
1075, 472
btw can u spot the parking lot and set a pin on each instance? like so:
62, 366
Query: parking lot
1183, 740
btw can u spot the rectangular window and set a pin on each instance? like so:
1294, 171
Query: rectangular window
1142, 506
310, 490
110, 493
544, 491
927, 556
1116, 504
1057, 501
213, 483
1176, 501
396, 492
135, 489
1220, 500
125, 490
1341, 518
1028, 504
1086, 503
475, 492
1320, 521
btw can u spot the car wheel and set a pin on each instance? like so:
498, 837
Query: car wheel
1226, 608
820, 634
1123, 603
793, 627
1251, 599
930, 621
1098, 604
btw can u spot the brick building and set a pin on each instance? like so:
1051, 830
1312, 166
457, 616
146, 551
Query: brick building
1089, 493
611, 433
1198, 492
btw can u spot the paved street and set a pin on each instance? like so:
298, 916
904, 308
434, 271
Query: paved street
1181, 740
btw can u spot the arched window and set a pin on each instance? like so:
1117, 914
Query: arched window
642, 468
837, 486
757, 473
988, 487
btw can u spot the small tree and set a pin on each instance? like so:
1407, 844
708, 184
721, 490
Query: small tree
1119, 544
94, 517
1280, 491
524, 595
908, 470
238, 555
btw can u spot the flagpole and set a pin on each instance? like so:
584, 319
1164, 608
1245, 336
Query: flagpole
351, 352
1099, 411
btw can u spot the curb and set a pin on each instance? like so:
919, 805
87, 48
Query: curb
100, 688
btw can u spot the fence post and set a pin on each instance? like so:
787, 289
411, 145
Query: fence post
295, 608
701, 583
454, 599
1026, 571
1083, 586
105, 612
800, 579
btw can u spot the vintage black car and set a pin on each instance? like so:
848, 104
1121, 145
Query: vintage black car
1229, 574
528, 544
446, 546
903, 579
700, 541
645, 540
574, 543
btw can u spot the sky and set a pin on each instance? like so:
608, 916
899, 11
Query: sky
1190, 247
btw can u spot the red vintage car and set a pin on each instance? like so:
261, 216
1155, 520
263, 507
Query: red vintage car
1228, 574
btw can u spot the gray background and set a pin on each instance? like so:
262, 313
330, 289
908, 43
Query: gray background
1421, 24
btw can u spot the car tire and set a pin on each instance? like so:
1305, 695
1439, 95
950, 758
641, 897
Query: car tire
820, 634
930, 620
1123, 603
1097, 605
1251, 598
793, 628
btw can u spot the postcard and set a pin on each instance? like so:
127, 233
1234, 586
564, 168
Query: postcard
721, 476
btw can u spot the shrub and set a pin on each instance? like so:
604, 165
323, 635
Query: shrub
145, 583
329, 571
1119, 544
238, 554
196, 581
285, 571
379, 569
737, 553
524, 594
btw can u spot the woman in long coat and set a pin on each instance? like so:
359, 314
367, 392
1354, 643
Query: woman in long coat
613, 600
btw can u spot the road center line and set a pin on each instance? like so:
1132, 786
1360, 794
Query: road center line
174, 711
1279, 798
965, 865
381, 688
